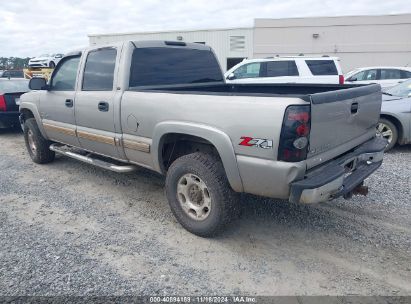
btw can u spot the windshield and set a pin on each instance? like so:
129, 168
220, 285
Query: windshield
401, 90
14, 86
350, 73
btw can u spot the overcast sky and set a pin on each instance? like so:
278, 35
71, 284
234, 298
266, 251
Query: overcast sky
30, 27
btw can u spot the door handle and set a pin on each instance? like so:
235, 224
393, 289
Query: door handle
354, 107
103, 106
69, 103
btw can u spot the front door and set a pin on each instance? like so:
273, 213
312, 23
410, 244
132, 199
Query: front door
95, 103
57, 104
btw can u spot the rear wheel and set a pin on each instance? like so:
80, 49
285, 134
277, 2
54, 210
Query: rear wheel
199, 194
387, 130
36, 144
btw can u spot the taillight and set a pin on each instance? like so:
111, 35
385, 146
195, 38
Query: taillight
295, 133
3, 106
341, 79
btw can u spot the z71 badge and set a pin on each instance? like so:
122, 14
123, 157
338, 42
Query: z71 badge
256, 142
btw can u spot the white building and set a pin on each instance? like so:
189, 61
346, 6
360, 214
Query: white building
358, 40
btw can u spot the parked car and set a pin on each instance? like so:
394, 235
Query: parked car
384, 76
292, 69
10, 91
45, 61
395, 122
165, 106
12, 74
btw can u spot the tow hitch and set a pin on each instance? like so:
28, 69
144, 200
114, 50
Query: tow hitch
359, 190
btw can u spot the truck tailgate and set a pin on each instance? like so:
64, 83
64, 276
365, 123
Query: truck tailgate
341, 120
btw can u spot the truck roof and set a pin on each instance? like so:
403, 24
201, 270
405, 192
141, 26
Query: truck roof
166, 43
144, 44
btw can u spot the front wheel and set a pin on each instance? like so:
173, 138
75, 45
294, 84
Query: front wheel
387, 130
36, 144
199, 194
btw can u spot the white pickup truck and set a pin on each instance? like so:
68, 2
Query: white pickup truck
165, 106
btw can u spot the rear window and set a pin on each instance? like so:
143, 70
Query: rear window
170, 66
281, 68
322, 67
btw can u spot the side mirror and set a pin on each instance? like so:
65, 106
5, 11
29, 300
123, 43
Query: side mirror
353, 79
231, 76
38, 84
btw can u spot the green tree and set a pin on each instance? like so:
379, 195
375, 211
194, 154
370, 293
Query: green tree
13, 63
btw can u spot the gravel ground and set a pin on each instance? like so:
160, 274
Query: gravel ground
68, 228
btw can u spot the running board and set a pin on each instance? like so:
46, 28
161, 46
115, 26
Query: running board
65, 150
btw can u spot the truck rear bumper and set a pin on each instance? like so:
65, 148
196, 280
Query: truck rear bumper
341, 176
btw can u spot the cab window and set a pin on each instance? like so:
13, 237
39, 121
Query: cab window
64, 77
99, 70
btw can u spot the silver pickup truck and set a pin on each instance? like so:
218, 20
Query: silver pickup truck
164, 105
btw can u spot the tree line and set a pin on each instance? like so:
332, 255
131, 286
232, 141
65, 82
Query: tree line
13, 63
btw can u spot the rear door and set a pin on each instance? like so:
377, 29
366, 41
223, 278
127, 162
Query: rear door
389, 77
57, 104
280, 71
97, 101
341, 120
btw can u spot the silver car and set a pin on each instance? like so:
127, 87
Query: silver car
395, 121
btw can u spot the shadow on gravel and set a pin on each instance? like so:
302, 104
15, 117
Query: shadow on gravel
266, 218
10, 131
400, 149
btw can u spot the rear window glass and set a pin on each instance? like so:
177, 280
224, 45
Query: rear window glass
170, 66
281, 68
322, 67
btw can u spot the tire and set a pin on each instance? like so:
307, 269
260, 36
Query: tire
36, 144
52, 65
218, 203
388, 130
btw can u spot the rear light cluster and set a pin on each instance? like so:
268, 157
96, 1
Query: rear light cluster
341, 79
3, 106
295, 133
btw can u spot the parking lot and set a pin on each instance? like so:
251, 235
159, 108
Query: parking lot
70, 228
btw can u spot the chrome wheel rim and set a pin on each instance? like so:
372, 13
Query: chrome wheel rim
32, 144
384, 131
194, 197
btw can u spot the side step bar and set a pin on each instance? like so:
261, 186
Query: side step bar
93, 161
